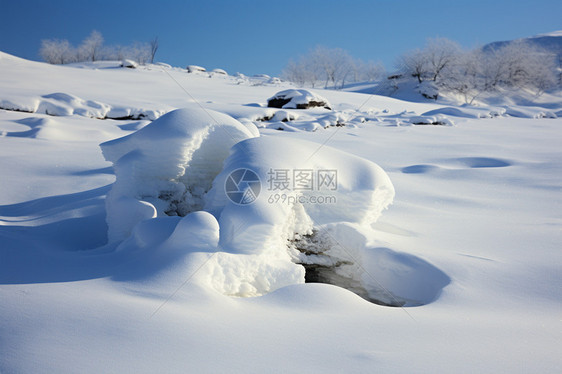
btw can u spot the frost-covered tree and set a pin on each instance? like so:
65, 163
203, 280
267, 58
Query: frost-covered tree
413, 64
140, 52
296, 72
519, 65
441, 54
55, 51
465, 77
115, 52
91, 48
335, 64
332, 67
516, 65
369, 71
431, 62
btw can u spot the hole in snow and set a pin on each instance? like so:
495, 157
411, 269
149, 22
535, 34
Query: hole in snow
325, 261
379, 275
328, 274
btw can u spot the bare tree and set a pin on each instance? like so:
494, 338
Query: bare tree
153, 49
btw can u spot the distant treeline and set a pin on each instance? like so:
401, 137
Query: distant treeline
442, 64
60, 51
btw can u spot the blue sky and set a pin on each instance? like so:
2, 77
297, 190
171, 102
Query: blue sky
261, 36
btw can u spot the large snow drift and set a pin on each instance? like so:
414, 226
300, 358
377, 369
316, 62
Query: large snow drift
341, 188
166, 167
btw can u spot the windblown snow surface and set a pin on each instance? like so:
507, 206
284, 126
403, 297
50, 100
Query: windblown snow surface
379, 236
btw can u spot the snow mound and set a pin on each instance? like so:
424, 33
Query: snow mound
520, 111
168, 166
258, 235
64, 104
297, 99
529, 112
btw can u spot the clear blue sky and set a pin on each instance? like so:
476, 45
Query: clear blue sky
261, 36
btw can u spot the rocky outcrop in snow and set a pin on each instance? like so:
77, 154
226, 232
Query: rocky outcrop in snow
297, 99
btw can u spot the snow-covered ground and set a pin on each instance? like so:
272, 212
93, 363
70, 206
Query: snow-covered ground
470, 245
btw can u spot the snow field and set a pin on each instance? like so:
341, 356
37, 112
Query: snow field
470, 242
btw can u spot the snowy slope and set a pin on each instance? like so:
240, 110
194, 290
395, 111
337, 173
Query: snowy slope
473, 235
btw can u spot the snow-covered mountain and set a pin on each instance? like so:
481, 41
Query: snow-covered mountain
550, 41
155, 220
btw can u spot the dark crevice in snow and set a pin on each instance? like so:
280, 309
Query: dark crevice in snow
190, 201
326, 262
328, 274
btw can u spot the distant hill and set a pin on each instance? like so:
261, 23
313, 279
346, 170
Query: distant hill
551, 41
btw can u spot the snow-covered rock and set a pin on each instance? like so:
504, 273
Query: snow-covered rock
64, 104
429, 90
297, 99
168, 165
195, 69
284, 116
129, 64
